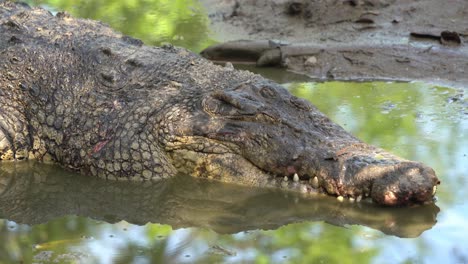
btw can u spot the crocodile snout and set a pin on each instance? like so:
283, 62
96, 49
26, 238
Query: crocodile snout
364, 171
405, 183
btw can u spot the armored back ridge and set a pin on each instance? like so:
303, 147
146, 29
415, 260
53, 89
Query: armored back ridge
75, 92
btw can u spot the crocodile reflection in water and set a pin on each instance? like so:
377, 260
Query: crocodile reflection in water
32, 193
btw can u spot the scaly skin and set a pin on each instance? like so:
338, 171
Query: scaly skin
76, 92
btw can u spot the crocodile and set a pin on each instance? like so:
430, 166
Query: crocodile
77, 93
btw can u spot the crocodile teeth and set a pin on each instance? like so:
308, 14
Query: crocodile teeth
303, 188
434, 189
359, 198
314, 182
296, 177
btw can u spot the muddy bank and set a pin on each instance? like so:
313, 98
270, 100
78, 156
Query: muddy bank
361, 39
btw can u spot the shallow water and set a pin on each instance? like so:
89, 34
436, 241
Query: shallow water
180, 22
48, 214
52, 214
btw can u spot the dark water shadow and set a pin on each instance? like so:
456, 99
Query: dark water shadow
32, 193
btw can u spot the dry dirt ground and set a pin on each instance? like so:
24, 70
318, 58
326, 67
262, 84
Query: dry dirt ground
347, 39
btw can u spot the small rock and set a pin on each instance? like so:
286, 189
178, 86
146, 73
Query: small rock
396, 20
311, 61
340, 198
229, 66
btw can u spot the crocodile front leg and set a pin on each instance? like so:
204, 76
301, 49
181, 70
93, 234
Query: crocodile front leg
15, 139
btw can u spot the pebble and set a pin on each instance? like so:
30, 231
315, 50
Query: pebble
340, 198
285, 178
311, 61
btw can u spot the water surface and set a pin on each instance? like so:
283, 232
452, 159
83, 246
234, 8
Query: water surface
48, 214
179, 22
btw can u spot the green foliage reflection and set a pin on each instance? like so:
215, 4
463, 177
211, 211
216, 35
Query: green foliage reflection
393, 116
24, 244
180, 22
320, 243
416, 121
295, 243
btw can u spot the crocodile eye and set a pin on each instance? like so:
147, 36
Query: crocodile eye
210, 105
218, 107
268, 92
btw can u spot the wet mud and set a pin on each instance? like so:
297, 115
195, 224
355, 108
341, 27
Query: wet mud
346, 39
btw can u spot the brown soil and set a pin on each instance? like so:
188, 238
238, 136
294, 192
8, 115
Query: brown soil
355, 39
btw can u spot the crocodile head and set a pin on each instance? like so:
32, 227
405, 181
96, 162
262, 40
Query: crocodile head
258, 134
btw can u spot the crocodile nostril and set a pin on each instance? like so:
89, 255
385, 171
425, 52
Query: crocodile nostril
300, 103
